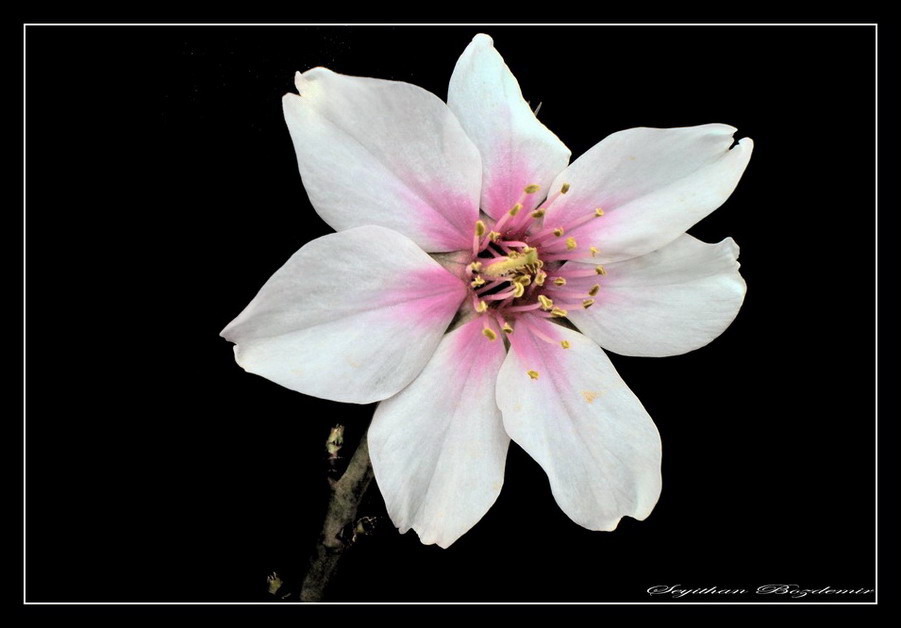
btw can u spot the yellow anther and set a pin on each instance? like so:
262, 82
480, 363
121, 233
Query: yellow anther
558, 231
523, 279
594, 250
565, 188
600, 270
514, 262
538, 213
482, 307
594, 289
532, 374
564, 344
546, 304
494, 236
571, 243
515, 209
507, 329
587, 303
518, 290
476, 266
559, 281
559, 313
540, 276
480, 228
489, 334
531, 189
598, 212
478, 281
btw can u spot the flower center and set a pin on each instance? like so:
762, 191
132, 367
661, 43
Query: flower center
518, 266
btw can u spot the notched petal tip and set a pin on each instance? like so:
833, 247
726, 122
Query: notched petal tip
745, 143
304, 81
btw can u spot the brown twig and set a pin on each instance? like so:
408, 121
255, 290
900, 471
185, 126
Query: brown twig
346, 494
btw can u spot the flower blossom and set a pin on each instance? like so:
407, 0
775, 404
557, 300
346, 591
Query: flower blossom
468, 251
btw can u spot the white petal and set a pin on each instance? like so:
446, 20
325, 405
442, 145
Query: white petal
517, 150
374, 152
352, 316
438, 447
582, 424
652, 184
667, 302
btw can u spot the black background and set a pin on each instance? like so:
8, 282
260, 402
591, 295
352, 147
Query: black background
162, 191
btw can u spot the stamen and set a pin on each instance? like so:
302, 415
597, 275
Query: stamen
565, 344
559, 231
478, 281
476, 266
489, 334
565, 188
540, 276
518, 290
594, 289
531, 189
559, 313
507, 329
538, 213
587, 303
600, 270
494, 236
571, 243
514, 261
482, 307
546, 304
594, 250
480, 228
532, 374
598, 212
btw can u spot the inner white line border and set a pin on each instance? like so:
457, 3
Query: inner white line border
25, 27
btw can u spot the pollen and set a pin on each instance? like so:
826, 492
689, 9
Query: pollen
594, 289
478, 281
476, 266
571, 243
480, 228
532, 374
489, 334
546, 304
558, 312
482, 307
494, 236
598, 212
565, 344
531, 189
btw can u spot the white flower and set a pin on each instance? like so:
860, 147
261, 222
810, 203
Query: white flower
361, 315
